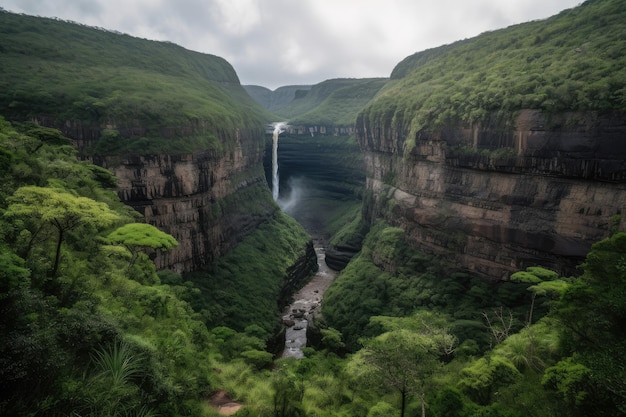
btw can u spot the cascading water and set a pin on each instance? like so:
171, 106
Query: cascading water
278, 129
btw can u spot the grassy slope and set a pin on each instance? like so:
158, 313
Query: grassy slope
276, 100
573, 61
343, 104
71, 72
332, 102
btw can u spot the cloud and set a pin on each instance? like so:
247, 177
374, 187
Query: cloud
281, 42
236, 18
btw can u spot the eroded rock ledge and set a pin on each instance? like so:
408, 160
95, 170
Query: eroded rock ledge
201, 199
497, 198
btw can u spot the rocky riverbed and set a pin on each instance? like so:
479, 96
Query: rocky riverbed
306, 303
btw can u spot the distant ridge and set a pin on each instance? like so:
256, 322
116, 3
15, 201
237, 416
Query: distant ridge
278, 99
334, 102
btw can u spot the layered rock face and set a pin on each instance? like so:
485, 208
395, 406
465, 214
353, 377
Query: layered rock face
208, 201
497, 198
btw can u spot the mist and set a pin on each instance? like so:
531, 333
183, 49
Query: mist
290, 202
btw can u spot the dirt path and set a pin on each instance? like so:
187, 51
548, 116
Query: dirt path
224, 404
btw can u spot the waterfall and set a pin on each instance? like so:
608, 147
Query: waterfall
278, 129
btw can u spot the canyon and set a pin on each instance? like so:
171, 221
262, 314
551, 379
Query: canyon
404, 209
535, 181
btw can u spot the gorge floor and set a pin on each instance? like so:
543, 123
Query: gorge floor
306, 302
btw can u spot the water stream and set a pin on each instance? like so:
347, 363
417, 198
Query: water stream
306, 303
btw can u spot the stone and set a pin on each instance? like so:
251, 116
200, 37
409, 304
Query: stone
556, 188
298, 314
180, 195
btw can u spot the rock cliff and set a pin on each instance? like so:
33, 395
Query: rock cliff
501, 196
207, 200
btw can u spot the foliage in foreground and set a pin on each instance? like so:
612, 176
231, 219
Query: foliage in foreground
554, 352
88, 326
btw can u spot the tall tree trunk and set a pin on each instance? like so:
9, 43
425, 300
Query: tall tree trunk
532, 307
57, 257
423, 405
402, 402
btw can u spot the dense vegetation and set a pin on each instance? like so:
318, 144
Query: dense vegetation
241, 288
88, 326
94, 330
573, 61
540, 345
58, 71
333, 102
388, 278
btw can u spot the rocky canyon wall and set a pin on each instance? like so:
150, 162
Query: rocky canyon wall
208, 200
501, 196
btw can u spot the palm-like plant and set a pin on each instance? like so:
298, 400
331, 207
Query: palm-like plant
116, 363
110, 391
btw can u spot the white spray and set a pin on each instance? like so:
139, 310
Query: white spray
278, 129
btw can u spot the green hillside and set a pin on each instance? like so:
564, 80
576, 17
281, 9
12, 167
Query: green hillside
276, 100
341, 106
64, 71
87, 325
332, 102
574, 61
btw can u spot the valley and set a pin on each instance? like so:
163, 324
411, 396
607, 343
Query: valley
446, 241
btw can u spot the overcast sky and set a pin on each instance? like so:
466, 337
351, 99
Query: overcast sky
284, 42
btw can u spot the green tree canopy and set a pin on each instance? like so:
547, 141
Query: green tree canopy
593, 311
140, 236
405, 357
43, 207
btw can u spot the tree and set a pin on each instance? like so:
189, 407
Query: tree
402, 360
482, 378
138, 237
592, 311
569, 381
288, 393
405, 357
500, 324
544, 282
48, 207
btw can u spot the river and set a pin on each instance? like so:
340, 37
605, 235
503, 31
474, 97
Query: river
306, 303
